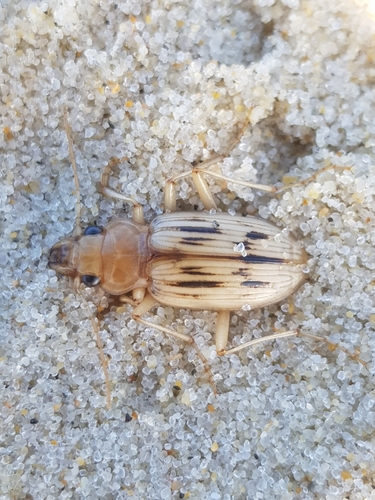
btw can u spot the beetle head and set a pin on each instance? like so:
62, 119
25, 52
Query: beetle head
61, 257
79, 257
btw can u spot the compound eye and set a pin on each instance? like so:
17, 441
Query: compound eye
91, 230
90, 280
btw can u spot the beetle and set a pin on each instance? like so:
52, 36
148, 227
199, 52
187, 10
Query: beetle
193, 260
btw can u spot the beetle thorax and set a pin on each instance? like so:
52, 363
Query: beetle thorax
123, 257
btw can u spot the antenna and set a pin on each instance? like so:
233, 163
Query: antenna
77, 281
77, 228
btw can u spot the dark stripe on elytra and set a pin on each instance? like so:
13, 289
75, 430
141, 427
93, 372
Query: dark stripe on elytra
253, 235
195, 238
205, 230
258, 259
192, 243
255, 284
199, 273
241, 272
195, 271
198, 284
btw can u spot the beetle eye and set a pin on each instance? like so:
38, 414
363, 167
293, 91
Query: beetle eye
90, 280
91, 230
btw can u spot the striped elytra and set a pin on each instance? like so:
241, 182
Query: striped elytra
195, 262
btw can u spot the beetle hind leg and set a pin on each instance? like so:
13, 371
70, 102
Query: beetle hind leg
148, 303
294, 333
333, 346
289, 333
222, 331
311, 178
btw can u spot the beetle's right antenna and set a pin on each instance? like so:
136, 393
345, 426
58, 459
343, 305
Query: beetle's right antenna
77, 227
102, 356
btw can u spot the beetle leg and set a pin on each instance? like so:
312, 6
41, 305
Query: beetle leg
199, 181
147, 303
180, 336
333, 346
138, 295
222, 330
198, 174
252, 185
311, 178
125, 299
170, 196
237, 139
103, 358
138, 216
261, 187
289, 333
293, 333
203, 189
272, 189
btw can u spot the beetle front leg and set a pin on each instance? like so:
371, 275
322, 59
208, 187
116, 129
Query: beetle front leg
138, 215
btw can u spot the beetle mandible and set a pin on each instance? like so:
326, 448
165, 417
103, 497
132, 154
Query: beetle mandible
201, 261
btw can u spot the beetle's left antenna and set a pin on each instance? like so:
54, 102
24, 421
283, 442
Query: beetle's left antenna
76, 281
77, 227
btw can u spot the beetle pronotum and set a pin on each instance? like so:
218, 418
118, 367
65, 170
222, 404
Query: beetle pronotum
201, 261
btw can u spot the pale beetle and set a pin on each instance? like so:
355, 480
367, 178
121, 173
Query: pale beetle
191, 260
